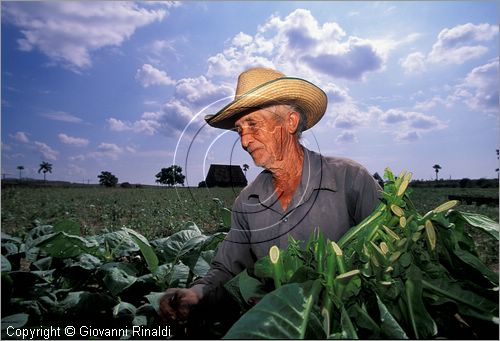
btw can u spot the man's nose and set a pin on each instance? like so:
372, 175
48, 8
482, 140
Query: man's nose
246, 138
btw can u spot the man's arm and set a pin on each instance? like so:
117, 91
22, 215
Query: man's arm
366, 195
232, 256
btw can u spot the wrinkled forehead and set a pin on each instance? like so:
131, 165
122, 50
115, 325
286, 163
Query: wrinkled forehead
268, 113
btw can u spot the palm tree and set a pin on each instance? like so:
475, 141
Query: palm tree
20, 171
245, 168
45, 167
436, 168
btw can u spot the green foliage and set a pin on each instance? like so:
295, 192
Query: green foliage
52, 277
170, 176
152, 211
287, 313
398, 274
45, 167
107, 179
58, 267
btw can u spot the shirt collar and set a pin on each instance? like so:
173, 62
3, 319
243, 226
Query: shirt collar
314, 176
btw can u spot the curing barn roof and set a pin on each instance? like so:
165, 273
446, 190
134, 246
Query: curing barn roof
225, 176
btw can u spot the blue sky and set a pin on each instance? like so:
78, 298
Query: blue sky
123, 86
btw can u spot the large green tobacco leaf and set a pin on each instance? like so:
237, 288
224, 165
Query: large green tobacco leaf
461, 296
86, 262
180, 244
118, 276
146, 249
38, 231
190, 250
6, 266
203, 263
43, 264
8, 238
213, 241
250, 287
68, 226
89, 305
117, 280
154, 299
179, 276
173, 275
124, 312
63, 245
476, 264
364, 320
285, 313
348, 329
263, 268
477, 220
14, 321
117, 243
9, 248
390, 327
462, 253
233, 287
33, 237
421, 321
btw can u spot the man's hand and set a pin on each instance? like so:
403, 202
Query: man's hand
177, 303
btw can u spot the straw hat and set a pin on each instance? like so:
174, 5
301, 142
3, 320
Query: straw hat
259, 87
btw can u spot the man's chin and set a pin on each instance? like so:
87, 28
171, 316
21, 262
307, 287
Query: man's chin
259, 163
259, 159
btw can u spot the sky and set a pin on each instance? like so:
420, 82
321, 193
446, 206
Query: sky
124, 86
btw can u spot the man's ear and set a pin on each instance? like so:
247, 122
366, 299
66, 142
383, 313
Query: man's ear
293, 122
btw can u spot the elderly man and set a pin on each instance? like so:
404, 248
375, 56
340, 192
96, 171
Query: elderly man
298, 191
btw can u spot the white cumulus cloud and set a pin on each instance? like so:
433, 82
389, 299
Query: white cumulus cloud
201, 91
479, 89
46, 151
148, 75
106, 150
454, 45
62, 116
461, 43
409, 125
21, 136
413, 63
68, 31
299, 45
346, 137
73, 141
148, 126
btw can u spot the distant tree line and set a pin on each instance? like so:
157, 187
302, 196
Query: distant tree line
169, 176
172, 176
457, 183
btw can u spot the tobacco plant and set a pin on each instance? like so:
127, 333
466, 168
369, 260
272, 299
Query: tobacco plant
398, 274
54, 277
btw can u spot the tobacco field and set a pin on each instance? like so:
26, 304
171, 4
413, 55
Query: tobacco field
102, 257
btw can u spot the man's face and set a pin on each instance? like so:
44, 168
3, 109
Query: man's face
261, 134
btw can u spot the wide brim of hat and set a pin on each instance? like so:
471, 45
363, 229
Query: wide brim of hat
309, 98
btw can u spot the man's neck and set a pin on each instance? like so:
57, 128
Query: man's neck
287, 175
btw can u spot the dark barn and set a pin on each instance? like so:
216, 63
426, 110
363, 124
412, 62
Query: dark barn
225, 176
